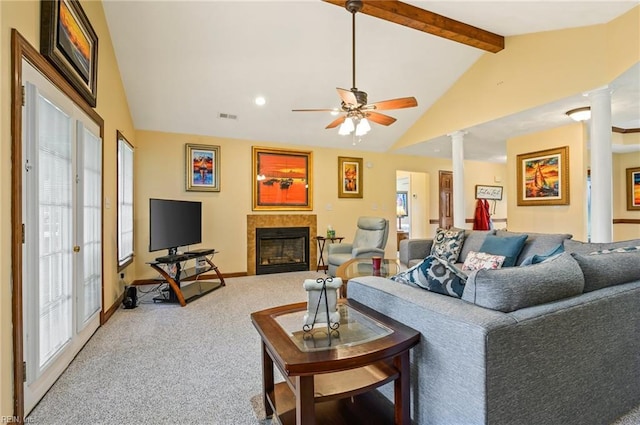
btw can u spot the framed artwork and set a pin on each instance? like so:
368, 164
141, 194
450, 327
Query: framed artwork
349, 177
282, 179
489, 192
402, 207
202, 168
69, 42
543, 177
633, 189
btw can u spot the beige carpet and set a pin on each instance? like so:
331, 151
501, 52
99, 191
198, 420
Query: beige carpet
166, 364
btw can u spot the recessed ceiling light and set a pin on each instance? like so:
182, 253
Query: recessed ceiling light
260, 101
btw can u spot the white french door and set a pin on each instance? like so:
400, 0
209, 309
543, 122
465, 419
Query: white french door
62, 216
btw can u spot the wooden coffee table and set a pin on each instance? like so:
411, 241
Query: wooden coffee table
329, 380
364, 267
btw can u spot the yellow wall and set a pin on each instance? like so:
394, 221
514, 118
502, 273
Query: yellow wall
557, 218
112, 106
224, 222
532, 70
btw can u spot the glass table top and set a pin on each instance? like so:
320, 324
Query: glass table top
364, 267
355, 328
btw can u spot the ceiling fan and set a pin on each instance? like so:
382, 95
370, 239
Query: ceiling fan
357, 112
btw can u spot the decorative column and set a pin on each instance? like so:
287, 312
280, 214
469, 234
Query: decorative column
457, 157
601, 166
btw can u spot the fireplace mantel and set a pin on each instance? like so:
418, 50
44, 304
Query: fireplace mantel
255, 221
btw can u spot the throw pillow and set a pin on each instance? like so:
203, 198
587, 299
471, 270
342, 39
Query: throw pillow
434, 274
535, 259
482, 260
615, 268
447, 244
510, 247
513, 288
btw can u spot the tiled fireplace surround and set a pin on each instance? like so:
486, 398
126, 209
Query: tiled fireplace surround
255, 221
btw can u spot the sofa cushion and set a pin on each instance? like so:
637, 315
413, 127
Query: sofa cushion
601, 271
586, 248
434, 274
473, 240
447, 244
510, 247
513, 288
536, 258
537, 243
482, 260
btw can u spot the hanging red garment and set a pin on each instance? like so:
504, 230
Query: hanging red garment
482, 218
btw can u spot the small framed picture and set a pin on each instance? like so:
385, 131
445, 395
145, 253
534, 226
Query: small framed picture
349, 177
489, 192
202, 168
633, 189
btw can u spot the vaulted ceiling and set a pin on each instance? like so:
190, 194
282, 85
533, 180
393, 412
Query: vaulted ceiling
184, 64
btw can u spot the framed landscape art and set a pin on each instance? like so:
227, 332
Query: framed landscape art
282, 179
69, 42
349, 177
202, 168
633, 189
543, 177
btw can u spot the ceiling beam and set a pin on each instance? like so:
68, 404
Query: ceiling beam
429, 22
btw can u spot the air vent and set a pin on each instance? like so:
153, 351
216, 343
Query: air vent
227, 116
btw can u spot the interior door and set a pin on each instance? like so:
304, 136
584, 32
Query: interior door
446, 199
62, 242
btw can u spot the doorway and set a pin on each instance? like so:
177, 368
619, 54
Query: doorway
445, 206
56, 258
413, 216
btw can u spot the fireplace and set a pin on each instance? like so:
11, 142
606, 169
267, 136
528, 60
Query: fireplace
282, 249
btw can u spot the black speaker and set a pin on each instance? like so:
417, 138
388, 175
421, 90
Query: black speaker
130, 297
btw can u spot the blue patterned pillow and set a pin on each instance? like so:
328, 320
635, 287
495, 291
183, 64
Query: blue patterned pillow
447, 244
436, 275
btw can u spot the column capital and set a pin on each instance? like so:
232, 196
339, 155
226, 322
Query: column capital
458, 134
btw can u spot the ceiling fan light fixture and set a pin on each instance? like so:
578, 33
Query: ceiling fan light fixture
363, 127
580, 114
346, 127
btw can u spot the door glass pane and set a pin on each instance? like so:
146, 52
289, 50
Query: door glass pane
92, 239
55, 222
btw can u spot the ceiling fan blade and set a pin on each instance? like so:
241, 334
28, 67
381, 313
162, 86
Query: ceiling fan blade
347, 96
316, 110
337, 122
402, 102
380, 118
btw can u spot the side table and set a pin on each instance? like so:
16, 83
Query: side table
321, 242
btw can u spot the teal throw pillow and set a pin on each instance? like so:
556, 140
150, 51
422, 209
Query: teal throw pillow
434, 274
536, 259
510, 247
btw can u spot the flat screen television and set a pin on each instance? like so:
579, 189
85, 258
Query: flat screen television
173, 224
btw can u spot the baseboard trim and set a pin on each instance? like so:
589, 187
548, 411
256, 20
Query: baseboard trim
106, 315
626, 221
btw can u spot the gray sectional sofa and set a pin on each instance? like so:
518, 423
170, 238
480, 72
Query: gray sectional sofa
550, 343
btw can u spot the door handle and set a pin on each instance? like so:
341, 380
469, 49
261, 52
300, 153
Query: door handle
76, 248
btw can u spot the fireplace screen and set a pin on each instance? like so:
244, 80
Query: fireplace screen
282, 249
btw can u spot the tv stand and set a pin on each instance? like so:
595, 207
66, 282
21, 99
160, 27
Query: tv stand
179, 293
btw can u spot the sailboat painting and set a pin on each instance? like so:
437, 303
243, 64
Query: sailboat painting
543, 177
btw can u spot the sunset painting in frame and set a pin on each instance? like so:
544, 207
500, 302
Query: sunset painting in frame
633, 189
282, 179
543, 177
